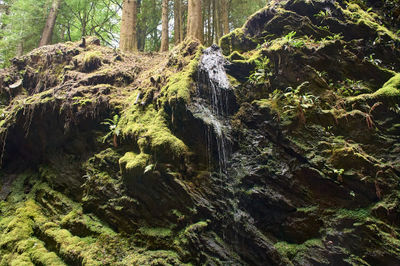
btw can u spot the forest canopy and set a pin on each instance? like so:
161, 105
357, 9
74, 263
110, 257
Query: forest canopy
25, 23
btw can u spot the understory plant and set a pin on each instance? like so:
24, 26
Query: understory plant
260, 73
293, 102
292, 42
114, 130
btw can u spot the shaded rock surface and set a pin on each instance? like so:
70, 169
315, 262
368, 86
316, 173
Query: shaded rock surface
151, 159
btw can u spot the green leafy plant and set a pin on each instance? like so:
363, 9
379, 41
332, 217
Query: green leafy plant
339, 173
114, 130
258, 76
373, 60
148, 168
295, 102
326, 28
335, 37
352, 88
323, 14
296, 43
289, 37
395, 108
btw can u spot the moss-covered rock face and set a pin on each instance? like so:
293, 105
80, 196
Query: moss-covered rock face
113, 159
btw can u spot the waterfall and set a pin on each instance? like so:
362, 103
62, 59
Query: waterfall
212, 104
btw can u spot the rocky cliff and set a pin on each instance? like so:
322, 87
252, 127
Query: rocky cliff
282, 147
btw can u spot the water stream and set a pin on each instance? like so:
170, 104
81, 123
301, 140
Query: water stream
212, 104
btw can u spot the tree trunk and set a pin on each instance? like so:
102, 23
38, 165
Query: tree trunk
217, 22
195, 20
209, 16
51, 21
164, 33
225, 16
20, 48
128, 38
183, 22
177, 21
141, 28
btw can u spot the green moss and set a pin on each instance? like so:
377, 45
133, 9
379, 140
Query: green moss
292, 250
91, 56
390, 90
36, 251
149, 128
196, 227
358, 15
228, 43
156, 232
179, 84
21, 225
134, 163
236, 56
357, 214
82, 101
90, 60
154, 257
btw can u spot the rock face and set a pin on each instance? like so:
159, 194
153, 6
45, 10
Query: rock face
284, 152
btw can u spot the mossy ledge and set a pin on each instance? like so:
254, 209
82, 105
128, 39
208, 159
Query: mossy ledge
106, 162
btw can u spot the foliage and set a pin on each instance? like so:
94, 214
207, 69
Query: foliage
78, 18
352, 88
373, 60
21, 25
149, 19
323, 14
296, 101
241, 9
114, 130
296, 43
258, 76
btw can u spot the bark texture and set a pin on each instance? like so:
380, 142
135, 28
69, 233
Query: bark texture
225, 16
195, 20
128, 42
51, 21
164, 34
177, 21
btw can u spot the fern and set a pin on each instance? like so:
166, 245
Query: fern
114, 130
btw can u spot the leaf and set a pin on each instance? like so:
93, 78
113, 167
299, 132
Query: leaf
148, 168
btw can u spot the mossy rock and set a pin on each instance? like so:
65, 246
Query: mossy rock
390, 92
90, 60
133, 165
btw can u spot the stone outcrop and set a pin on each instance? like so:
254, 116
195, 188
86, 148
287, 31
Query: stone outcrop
118, 159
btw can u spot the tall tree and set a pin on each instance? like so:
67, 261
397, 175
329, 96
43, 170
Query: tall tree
128, 41
164, 33
195, 20
177, 21
225, 16
217, 20
78, 18
51, 21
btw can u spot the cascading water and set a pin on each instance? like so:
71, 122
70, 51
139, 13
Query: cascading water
212, 104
